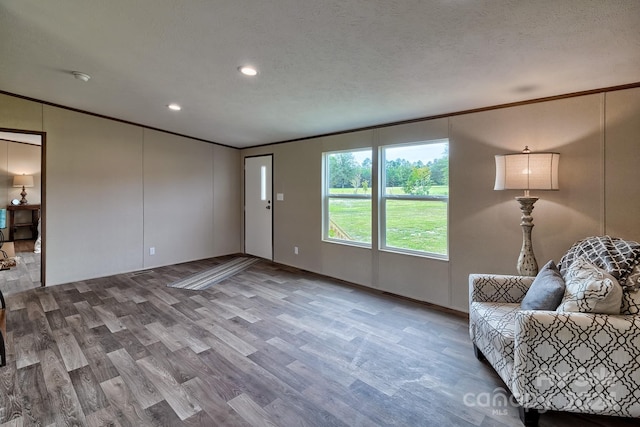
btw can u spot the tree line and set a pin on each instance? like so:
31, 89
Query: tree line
413, 177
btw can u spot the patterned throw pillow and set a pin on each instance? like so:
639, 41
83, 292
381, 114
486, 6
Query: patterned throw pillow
616, 256
633, 279
590, 289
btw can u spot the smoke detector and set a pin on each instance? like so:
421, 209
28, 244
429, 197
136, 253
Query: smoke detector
81, 76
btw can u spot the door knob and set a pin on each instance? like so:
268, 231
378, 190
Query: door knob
268, 207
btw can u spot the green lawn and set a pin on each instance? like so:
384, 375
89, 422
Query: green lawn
435, 190
417, 225
411, 224
353, 216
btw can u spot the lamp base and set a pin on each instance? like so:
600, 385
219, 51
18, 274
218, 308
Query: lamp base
527, 265
23, 193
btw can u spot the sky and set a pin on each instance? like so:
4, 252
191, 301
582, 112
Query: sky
412, 153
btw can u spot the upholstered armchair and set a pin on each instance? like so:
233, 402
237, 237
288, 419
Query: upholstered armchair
558, 360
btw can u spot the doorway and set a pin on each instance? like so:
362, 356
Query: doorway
22, 202
258, 206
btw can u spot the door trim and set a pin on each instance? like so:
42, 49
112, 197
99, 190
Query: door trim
43, 196
244, 202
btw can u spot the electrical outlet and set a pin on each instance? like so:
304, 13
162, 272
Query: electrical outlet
152, 251
295, 250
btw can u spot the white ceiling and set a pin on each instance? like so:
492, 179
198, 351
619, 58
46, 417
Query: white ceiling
325, 65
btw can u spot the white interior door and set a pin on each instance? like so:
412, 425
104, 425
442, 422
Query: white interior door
258, 207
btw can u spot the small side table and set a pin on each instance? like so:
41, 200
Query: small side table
33, 225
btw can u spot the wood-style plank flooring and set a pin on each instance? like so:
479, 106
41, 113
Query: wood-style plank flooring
26, 274
272, 346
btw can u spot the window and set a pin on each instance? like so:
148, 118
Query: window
414, 198
347, 197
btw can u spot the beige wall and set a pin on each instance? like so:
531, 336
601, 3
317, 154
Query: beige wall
485, 235
18, 113
178, 178
94, 196
226, 218
622, 160
24, 159
17, 159
596, 136
114, 189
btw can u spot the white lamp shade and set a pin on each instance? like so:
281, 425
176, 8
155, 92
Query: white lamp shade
23, 181
527, 171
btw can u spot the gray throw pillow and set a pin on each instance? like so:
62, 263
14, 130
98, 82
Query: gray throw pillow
546, 291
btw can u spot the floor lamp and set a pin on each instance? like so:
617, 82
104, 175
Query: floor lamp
527, 171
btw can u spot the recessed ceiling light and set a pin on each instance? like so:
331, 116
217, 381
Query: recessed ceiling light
174, 107
248, 70
81, 76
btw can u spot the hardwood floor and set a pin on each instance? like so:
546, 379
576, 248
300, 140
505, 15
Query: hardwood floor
26, 274
272, 346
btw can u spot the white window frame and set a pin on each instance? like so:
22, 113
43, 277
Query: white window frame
383, 197
326, 196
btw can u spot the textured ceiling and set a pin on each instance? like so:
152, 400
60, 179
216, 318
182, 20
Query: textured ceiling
325, 65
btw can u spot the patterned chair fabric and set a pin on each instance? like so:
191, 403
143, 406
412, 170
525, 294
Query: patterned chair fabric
495, 326
498, 288
577, 362
630, 303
